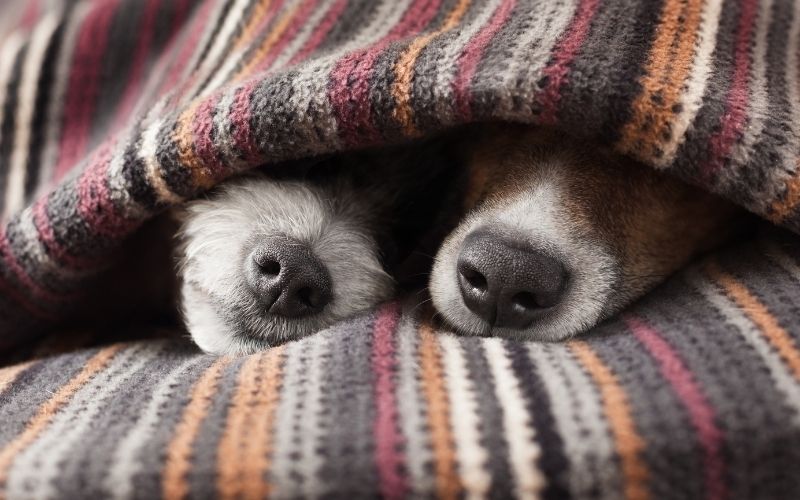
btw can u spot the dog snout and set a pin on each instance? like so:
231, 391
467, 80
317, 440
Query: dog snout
287, 278
505, 281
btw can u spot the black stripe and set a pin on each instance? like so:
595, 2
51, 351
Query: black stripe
9, 125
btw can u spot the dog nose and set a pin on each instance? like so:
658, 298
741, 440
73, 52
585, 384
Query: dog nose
505, 282
287, 278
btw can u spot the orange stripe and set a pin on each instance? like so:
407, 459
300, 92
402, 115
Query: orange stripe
759, 315
246, 446
174, 482
184, 140
404, 68
448, 485
10, 373
259, 11
781, 209
669, 65
269, 41
50, 408
618, 412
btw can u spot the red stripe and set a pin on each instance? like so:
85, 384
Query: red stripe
135, 77
94, 201
239, 119
563, 55
697, 405
349, 90
388, 438
30, 15
297, 22
733, 119
468, 62
188, 47
321, 31
83, 85
203, 131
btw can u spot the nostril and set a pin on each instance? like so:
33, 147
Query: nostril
474, 277
525, 300
270, 267
310, 298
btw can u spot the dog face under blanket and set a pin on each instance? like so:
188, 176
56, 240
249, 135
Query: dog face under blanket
557, 237
264, 260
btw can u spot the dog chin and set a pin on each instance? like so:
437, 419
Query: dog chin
588, 296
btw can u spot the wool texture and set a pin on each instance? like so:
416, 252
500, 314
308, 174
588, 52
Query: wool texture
112, 111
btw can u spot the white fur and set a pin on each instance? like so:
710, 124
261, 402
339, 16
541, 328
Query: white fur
539, 215
220, 313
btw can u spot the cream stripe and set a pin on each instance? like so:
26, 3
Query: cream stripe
580, 421
472, 457
447, 59
10, 373
523, 450
148, 152
527, 63
220, 48
58, 91
784, 380
35, 471
309, 27
411, 410
39, 41
286, 434
315, 425
8, 57
125, 463
696, 83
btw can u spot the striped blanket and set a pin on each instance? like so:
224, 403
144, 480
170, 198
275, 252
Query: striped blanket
113, 110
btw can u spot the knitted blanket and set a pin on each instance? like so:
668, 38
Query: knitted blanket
113, 110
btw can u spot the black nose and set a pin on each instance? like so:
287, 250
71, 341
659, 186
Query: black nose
287, 278
506, 282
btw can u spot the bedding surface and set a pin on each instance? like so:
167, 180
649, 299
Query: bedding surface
112, 111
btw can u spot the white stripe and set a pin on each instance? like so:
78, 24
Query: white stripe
411, 409
35, 470
55, 106
533, 50
447, 59
696, 83
40, 39
221, 45
309, 28
523, 450
314, 424
779, 372
472, 456
8, 57
286, 415
125, 463
580, 421
148, 153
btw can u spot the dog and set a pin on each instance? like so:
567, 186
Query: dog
552, 236
265, 259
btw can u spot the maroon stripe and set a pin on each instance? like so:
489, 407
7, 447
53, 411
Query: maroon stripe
188, 46
555, 74
321, 31
700, 410
469, 59
135, 77
733, 119
389, 440
300, 18
239, 118
349, 89
83, 85
94, 200
203, 133
31, 14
